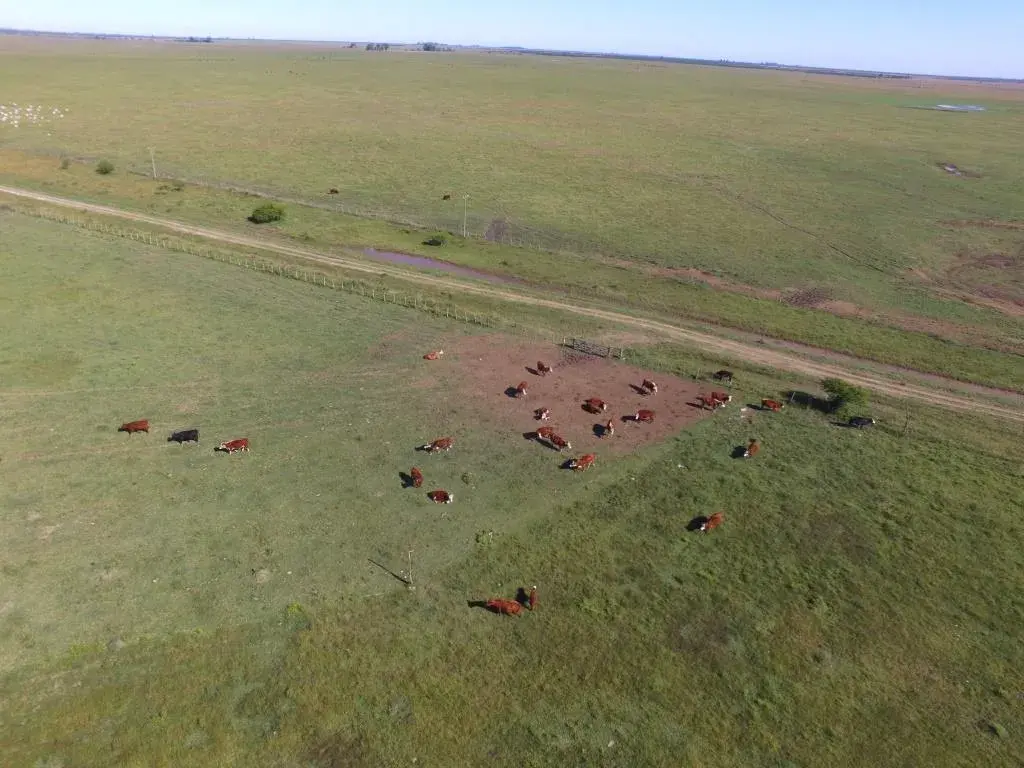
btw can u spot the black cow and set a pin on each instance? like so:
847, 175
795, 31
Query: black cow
332, 191
185, 436
725, 376
861, 421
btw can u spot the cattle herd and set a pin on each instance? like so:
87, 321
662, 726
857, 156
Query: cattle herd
544, 434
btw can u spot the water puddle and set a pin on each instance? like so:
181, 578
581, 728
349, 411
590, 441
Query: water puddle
425, 262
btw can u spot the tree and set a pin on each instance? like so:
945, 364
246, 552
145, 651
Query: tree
842, 397
267, 213
104, 167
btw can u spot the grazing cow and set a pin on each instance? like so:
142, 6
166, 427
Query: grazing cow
595, 405
609, 429
725, 376
240, 444
542, 414
505, 607
532, 603
721, 399
543, 369
131, 427
417, 477
184, 436
521, 389
644, 415
545, 432
583, 463
435, 355
752, 448
772, 405
649, 386
861, 421
446, 197
332, 191
441, 497
707, 402
559, 442
712, 522
441, 444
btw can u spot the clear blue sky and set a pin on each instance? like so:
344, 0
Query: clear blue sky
951, 37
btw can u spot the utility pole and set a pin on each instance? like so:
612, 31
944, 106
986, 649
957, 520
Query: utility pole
465, 207
152, 160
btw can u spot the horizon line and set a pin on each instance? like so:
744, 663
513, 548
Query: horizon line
735, 63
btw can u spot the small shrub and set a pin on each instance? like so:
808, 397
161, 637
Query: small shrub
104, 167
65, 163
437, 239
844, 398
177, 186
266, 213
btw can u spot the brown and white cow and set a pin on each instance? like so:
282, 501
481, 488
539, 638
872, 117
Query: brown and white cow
542, 414
721, 399
649, 387
231, 446
543, 369
131, 427
752, 448
609, 429
583, 463
521, 389
644, 415
435, 355
532, 600
712, 522
417, 477
772, 405
441, 497
545, 432
559, 442
441, 444
595, 405
505, 607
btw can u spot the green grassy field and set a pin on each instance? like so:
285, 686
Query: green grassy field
860, 606
772, 182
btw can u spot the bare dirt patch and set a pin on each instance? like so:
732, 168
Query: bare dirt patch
489, 365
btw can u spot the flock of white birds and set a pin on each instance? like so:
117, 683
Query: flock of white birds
15, 115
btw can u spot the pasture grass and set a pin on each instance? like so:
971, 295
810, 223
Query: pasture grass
970, 344
860, 606
775, 181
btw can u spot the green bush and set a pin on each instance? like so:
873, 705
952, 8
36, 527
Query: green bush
65, 163
437, 239
266, 213
844, 398
104, 167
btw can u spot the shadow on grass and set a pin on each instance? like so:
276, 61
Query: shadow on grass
696, 523
407, 481
806, 400
638, 390
739, 451
511, 392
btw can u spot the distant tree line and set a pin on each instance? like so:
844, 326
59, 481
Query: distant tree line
197, 40
378, 47
434, 47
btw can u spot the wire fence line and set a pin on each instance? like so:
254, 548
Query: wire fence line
257, 263
480, 223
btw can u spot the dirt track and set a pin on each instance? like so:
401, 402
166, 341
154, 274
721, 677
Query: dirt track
705, 341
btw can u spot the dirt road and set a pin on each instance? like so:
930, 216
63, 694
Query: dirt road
705, 341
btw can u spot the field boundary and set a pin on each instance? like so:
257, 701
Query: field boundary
707, 342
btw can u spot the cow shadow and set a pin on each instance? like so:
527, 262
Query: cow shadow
757, 407
522, 597
221, 449
600, 430
590, 410
531, 436
638, 390
532, 371
738, 451
407, 481
628, 418
807, 400
567, 464
698, 406
511, 392
481, 604
696, 524
422, 448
